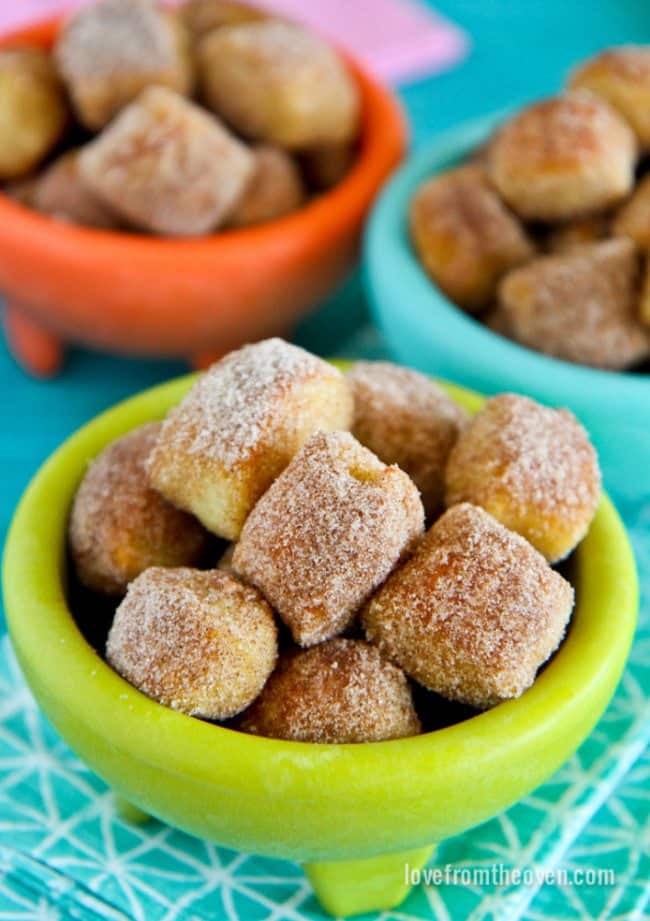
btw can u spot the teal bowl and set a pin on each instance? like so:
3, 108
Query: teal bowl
427, 331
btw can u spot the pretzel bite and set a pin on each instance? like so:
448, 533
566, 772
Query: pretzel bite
33, 112
563, 158
277, 82
197, 641
119, 526
465, 237
621, 76
531, 467
202, 16
408, 420
167, 166
275, 189
239, 427
644, 301
581, 306
474, 613
110, 51
341, 691
327, 533
60, 192
633, 217
567, 236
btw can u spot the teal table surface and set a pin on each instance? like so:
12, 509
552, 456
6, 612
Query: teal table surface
63, 854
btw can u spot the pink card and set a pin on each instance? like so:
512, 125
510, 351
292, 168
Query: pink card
397, 39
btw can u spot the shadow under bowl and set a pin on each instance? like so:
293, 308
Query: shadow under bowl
355, 814
193, 298
427, 331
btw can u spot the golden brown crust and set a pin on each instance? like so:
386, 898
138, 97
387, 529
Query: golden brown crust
60, 192
327, 533
633, 217
239, 427
564, 157
464, 236
274, 190
202, 16
644, 302
199, 642
621, 76
408, 420
533, 468
339, 692
33, 113
167, 166
119, 526
474, 613
581, 306
279, 83
109, 52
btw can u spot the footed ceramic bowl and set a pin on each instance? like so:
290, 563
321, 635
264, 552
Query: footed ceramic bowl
192, 298
427, 331
353, 814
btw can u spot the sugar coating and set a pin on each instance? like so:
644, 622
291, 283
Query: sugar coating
277, 82
621, 76
60, 192
239, 427
563, 157
633, 217
531, 467
581, 306
202, 16
119, 526
167, 165
327, 533
197, 641
110, 51
275, 189
408, 420
33, 112
338, 692
474, 613
464, 235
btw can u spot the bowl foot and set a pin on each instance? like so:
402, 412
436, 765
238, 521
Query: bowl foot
37, 350
352, 887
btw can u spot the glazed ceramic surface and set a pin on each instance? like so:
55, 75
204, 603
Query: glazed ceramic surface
194, 298
425, 330
311, 803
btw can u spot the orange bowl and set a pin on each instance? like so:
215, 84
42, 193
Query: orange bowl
194, 298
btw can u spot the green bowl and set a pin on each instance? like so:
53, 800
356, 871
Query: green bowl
354, 814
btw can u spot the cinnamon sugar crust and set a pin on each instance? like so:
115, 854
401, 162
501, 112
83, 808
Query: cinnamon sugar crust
474, 613
120, 526
581, 306
533, 468
406, 419
464, 235
239, 427
338, 692
563, 157
199, 642
327, 533
110, 51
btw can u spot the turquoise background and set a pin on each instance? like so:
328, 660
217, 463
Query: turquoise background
59, 841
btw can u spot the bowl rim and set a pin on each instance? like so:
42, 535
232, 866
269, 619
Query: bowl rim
378, 150
389, 258
86, 687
